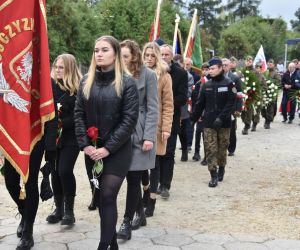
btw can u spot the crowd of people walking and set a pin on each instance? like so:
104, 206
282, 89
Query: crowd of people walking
137, 103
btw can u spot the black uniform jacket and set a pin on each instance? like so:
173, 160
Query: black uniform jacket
216, 98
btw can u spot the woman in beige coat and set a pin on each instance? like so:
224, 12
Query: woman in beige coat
152, 59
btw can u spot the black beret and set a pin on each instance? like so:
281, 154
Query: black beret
215, 61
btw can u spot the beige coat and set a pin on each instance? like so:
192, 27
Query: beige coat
165, 119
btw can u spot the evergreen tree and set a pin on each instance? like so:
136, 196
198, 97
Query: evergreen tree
296, 23
239, 9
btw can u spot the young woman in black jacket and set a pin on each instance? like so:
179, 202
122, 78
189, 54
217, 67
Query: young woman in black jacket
107, 100
67, 76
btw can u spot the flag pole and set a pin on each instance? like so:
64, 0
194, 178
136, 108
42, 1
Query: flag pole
190, 32
156, 19
177, 20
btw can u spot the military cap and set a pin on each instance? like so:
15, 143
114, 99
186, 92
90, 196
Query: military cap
215, 61
249, 58
271, 61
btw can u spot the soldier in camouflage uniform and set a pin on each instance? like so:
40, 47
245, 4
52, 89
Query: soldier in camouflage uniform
216, 99
270, 111
251, 114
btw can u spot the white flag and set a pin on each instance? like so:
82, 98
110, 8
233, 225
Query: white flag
261, 59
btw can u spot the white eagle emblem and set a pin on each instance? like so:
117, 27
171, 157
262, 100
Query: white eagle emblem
10, 96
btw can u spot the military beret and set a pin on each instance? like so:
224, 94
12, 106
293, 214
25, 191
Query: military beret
215, 61
159, 41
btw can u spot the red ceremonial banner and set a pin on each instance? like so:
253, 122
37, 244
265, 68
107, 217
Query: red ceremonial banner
26, 100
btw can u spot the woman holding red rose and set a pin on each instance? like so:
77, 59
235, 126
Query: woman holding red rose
66, 76
108, 100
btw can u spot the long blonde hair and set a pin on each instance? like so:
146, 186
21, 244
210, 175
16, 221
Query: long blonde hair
119, 66
160, 67
71, 76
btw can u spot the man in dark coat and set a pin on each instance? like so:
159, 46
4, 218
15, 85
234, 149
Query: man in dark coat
238, 104
180, 88
216, 99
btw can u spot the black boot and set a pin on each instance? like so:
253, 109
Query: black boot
139, 220
57, 214
103, 246
146, 197
21, 225
221, 173
125, 230
150, 208
253, 129
267, 125
114, 244
245, 130
68, 218
26, 242
214, 179
184, 155
93, 204
196, 156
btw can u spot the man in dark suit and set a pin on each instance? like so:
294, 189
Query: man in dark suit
238, 104
180, 88
288, 84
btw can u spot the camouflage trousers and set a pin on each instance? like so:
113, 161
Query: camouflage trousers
216, 143
268, 112
251, 115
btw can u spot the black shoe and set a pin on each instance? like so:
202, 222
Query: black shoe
68, 218
57, 214
150, 208
245, 131
231, 154
184, 155
20, 228
290, 121
139, 220
164, 193
253, 128
196, 157
124, 232
267, 125
26, 242
284, 120
146, 197
204, 162
158, 191
221, 173
214, 179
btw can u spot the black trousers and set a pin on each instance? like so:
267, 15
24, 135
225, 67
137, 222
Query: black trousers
199, 131
167, 162
284, 102
154, 175
28, 207
183, 135
232, 138
133, 195
63, 178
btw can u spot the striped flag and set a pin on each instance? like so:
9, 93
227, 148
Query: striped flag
193, 45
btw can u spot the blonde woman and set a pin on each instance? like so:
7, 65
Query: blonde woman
66, 76
107, 100
152, 59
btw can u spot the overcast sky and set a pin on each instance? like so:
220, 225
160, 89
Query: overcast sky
276, 8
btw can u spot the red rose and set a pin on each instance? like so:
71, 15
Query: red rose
93, 133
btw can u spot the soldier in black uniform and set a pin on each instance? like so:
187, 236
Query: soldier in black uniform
216, 99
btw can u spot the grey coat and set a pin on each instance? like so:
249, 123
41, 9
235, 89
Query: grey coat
147, 121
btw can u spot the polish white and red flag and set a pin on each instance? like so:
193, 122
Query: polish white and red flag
261, 59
